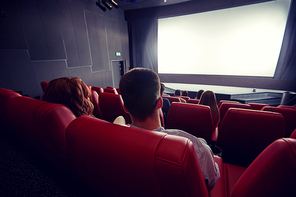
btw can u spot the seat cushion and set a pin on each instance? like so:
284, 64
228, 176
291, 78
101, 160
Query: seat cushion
233, 173
220, 188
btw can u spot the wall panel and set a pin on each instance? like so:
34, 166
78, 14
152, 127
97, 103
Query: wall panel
43, 40
11, 34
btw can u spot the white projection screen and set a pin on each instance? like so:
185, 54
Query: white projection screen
240, 41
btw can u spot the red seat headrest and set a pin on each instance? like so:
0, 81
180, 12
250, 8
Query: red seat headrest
271, 174
192, 118
41, 125
123, 161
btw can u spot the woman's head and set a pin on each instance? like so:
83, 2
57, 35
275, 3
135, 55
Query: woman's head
208, 98
72, 92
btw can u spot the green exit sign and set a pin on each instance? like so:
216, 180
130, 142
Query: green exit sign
118, 54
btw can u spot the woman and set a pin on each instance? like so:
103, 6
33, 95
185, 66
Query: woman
208, 98
71, 92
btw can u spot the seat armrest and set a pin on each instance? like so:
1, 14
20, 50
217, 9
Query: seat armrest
221, 186
233, 173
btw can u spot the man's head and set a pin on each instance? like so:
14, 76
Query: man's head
162, 88
184, 93
140, 91
177, 92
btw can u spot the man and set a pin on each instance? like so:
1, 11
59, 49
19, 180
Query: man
178, 94
140, 91
166, 103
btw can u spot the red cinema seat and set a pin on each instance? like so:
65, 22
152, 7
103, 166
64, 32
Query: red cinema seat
286, 106
293, 135
226, 105
194, 119
44, 85
99, 90
95, 101
111, 90
226, 101
118, 90
166, 95
173, 99
41, 126
5, 95
186, 98
193, 101
161, 118
243, 134
116, 160
257, 106
4, 90
271, 174
289, 114
111, 106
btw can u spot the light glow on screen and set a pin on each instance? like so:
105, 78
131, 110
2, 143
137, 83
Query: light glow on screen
241, 41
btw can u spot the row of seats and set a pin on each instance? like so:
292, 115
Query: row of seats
242, 134
196, 119
177, 99
289, 112
120, 161
39, 125
244, 130
247, 128
108, 104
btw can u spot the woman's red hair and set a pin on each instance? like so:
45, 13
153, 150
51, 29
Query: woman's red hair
72, 92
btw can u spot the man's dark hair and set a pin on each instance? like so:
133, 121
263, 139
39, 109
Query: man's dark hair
199, 93
162, 88
178, 92
184, 93
140, 91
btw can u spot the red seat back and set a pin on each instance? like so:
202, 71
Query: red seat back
243, 134
226, 105
97, 89
289, 114
193, 101
173, 99
41, 125
116, 160
186, 98
257, 106
194, 119
271, 174
95, 101
5, 95
44, 85
293, 135
4, 90
226, 101
111, 106
111, 90
286, 106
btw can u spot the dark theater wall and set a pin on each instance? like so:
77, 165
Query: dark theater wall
43, 40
